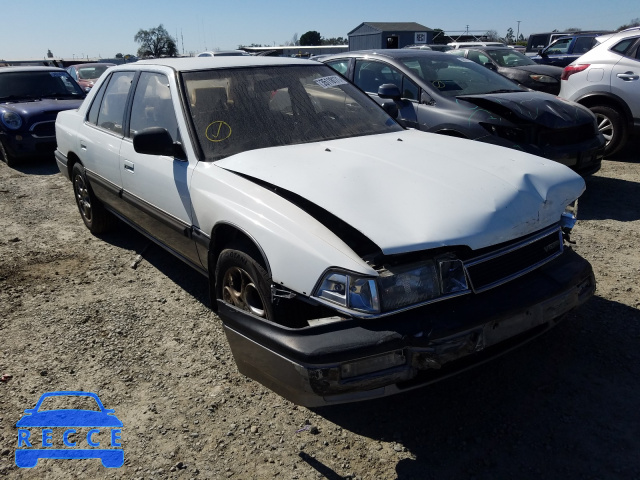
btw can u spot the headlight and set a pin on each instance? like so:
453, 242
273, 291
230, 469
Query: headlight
350, 291
542, 78
11, 120
396, 288
570, 216
512, 134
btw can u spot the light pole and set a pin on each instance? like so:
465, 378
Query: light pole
518, 34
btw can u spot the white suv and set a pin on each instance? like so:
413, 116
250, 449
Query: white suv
607, 80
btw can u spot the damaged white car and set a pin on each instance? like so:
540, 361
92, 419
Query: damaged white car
348, 258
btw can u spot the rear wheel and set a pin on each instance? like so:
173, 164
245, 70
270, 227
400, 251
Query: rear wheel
612, 126
6, 158
242, 282
94, 215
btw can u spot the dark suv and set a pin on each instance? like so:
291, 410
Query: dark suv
565, 50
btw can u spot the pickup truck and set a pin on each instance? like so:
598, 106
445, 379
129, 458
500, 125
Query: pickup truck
565, 50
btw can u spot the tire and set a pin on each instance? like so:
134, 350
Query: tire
611, 124
6, 158
96, 218
243, 283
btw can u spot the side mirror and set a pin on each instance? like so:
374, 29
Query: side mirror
542, 53
491, 66
391, 108
157, 141
389, 90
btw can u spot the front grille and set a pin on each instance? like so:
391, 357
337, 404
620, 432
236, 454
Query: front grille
556, 137
44, 129
498, 267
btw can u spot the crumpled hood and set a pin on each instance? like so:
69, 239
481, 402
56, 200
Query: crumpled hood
412, 190
532, 107
46, 105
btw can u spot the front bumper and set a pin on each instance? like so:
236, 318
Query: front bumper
355, 360
24, 145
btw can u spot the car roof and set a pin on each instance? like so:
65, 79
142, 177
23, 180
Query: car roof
392, 53
91, 64
205, 63
31, 69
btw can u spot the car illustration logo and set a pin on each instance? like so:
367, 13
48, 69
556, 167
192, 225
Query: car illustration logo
69, 433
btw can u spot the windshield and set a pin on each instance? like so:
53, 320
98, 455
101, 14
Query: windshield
453, 76
239, 109
26, 85
91, 73
508, 57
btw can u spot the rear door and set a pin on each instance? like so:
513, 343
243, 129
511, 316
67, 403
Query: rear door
102, 134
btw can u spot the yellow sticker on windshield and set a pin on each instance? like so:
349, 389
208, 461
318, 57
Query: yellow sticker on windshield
218, 131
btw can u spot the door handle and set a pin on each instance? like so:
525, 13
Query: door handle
627, 76
128, 166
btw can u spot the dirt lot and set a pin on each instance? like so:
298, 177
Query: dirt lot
76, 315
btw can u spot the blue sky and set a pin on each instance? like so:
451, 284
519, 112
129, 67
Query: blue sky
74, 28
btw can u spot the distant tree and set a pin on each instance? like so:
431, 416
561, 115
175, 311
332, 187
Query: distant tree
491, 35
310, 38
335, 41
49, 54
573, 29
155, 42
635, 22
119, 55
521, 38
295, 40
509, 36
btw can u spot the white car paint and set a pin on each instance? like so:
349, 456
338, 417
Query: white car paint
407, 191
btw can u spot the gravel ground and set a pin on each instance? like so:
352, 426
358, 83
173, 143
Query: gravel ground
117, 316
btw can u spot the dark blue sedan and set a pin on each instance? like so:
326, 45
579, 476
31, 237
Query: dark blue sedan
30, 99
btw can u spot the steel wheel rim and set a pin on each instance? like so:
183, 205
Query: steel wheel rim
605, 126
239, 289
82, 197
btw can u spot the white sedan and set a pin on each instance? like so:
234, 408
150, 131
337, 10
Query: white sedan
347, 257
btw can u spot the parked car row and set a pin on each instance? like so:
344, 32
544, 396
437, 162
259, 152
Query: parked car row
348, 257
446, 94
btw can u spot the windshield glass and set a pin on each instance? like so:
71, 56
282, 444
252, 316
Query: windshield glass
239, 109
37, 84
91, 73
453, 76
508, 57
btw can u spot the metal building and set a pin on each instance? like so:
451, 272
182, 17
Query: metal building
378, 35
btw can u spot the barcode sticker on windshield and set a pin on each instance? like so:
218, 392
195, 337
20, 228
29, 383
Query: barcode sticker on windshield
332, 81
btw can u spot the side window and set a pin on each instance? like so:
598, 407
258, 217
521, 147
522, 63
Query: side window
410, 90
340, 66
97, 100
111, 112
583, 45
370, 75
152, 105
561, 46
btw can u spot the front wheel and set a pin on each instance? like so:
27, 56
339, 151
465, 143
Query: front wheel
243, 283
612, 126
96, 218
6, 158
